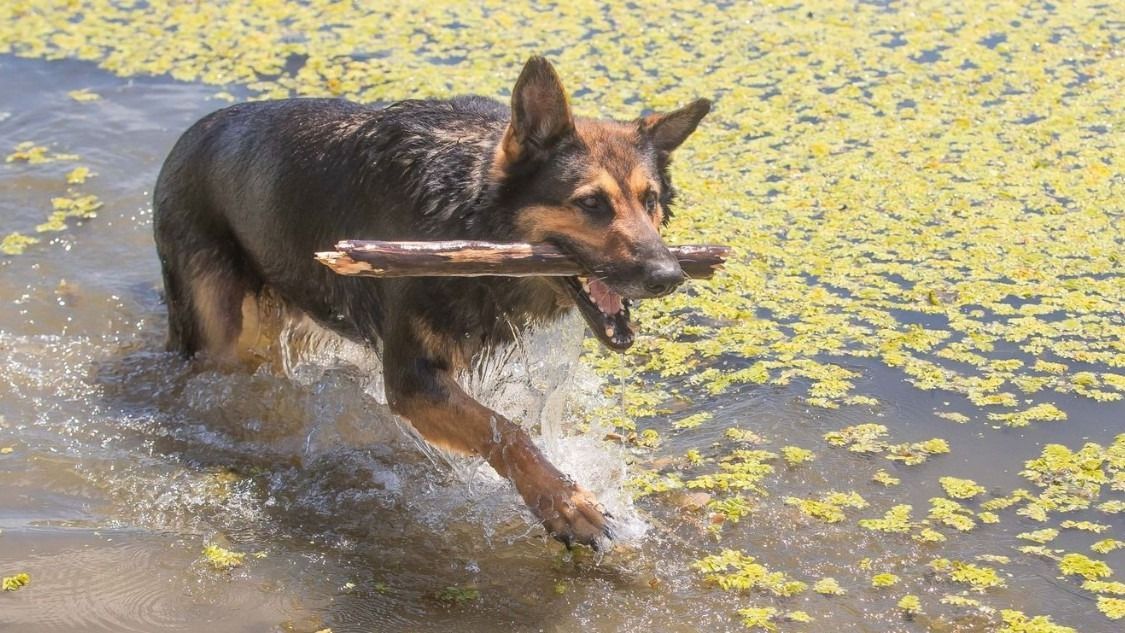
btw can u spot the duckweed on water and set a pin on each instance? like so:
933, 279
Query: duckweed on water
64, 208
1074, 564
868, 438
1088, 526
830, 507
1108, 545
1113, 608
978, 577
910, 604
958, 488
896, 520
795, 455
222, 559
883, 580
78, 175
83, 96
1017, 622
828, 586
759, 618
15, 582
1102, 586
900, 188
951, 514
883, 477
16, 243
734, 571
29, 152
71, 207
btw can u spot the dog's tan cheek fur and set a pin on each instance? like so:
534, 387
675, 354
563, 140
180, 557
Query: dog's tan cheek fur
537, 224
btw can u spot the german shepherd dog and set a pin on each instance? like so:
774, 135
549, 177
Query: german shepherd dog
250, 192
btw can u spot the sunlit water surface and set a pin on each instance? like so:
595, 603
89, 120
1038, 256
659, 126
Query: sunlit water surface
127, 461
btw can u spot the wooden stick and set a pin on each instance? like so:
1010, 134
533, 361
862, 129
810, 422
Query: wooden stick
475, 259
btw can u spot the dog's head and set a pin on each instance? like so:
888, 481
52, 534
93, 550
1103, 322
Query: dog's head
598, 190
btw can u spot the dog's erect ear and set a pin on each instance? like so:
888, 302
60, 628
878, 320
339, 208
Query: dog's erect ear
668, 130
540, 113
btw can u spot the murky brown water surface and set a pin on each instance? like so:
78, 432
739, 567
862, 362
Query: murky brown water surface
126, 461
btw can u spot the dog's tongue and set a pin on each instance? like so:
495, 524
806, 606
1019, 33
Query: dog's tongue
608, 301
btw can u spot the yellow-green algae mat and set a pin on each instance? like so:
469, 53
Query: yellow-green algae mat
930, 187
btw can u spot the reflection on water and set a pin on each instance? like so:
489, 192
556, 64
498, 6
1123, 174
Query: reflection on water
126, 461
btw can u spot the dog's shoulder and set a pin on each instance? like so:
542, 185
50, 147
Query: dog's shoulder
469, 115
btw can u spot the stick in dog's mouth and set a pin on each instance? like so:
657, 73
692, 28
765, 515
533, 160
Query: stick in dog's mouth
605, 311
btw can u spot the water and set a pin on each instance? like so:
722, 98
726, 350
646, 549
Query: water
127, 461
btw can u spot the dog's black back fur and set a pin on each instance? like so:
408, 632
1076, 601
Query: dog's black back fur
299, 175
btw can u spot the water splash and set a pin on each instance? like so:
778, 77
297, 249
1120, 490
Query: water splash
537, 381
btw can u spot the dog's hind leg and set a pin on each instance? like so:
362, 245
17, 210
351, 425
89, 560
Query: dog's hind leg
205, 286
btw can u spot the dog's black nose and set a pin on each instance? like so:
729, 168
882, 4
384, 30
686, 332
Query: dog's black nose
663, 277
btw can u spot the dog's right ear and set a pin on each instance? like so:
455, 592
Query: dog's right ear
540, 113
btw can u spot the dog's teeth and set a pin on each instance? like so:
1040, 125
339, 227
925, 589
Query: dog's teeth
609, 331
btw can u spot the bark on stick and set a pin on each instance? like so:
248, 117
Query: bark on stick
371, 258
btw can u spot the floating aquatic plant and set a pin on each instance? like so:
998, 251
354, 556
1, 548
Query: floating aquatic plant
978, 577
1046, 535
221, 558
882, 580
828, 586
910, 604
1074, 564
14, 582
1107, 545
795, 455
733, 570
1113, 608
1017, 622
83, 96
958, 488
896, 520
830, 507
78, 175
759, 618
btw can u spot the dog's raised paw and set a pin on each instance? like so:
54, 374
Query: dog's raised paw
572, 515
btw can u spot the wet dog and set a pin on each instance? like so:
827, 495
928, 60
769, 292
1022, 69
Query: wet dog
250, 192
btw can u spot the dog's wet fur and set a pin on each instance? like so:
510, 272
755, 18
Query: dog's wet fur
250, 192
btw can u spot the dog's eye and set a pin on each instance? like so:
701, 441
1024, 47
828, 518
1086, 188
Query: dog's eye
593, 204
650, 202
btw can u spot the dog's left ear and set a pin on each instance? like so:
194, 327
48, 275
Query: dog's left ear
669, 129
540, 112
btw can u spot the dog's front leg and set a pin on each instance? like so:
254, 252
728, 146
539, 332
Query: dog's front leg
422, 389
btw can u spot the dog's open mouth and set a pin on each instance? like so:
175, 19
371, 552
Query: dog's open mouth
605, 311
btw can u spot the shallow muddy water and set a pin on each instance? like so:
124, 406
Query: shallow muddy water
126, 461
